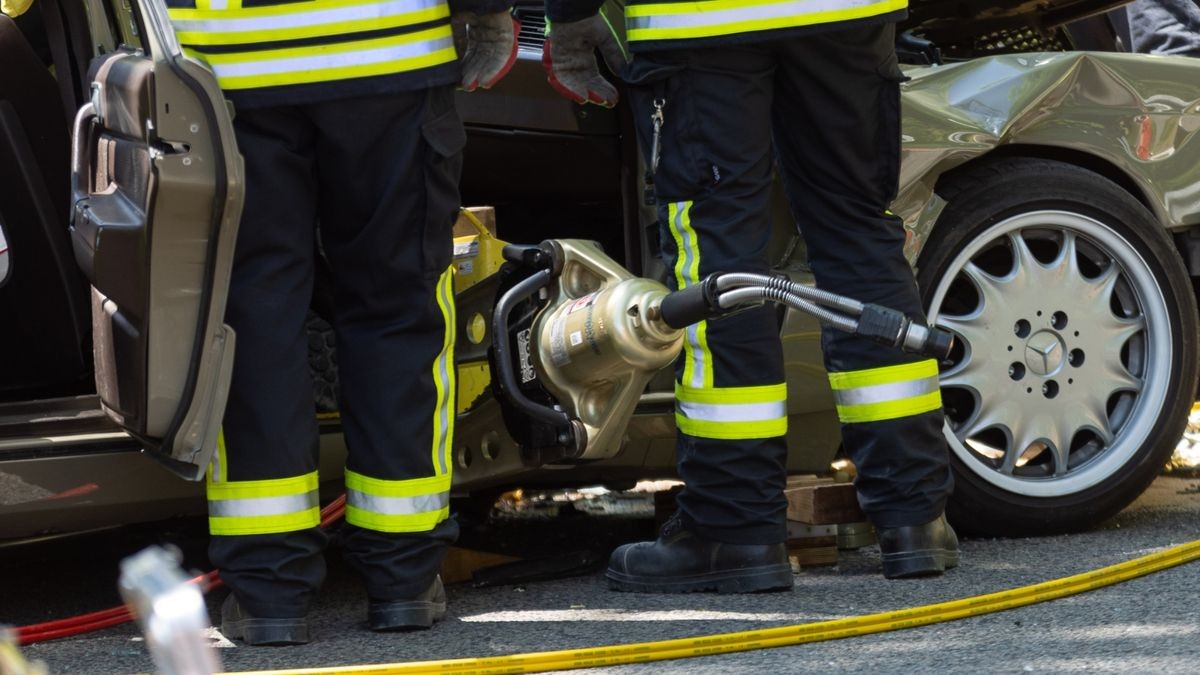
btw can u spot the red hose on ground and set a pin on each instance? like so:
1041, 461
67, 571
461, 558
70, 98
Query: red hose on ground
115, 616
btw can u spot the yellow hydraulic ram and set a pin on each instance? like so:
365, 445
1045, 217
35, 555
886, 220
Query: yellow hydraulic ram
783, 636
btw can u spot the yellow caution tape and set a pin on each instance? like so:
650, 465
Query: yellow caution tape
784, 636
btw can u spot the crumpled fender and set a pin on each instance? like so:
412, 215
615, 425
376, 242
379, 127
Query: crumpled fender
1138, 113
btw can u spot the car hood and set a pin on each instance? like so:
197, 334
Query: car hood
962, 21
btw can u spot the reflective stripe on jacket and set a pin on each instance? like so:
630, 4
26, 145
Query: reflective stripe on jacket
658, 20
310, 50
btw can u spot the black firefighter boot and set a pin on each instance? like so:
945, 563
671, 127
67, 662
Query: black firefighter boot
918, 550
416, 613
261, 631
680, 561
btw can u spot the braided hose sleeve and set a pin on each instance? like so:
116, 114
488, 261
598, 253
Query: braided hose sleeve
732, 280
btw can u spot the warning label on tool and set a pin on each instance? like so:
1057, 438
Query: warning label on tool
528, 374
558, 343
581, 303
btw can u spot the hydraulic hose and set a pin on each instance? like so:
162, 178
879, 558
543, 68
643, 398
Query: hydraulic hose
730, 280
738, 296
722, 293
115, 616
783, 636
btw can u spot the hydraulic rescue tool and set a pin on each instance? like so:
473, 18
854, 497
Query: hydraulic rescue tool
576, 338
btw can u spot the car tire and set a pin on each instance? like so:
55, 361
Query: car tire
1077, 337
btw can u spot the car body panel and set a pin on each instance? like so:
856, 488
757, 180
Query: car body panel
1138, 115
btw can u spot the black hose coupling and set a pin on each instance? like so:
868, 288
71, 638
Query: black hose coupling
882, 324
693, 304
893, 328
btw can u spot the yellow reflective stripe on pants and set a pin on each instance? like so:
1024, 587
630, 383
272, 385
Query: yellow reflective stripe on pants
223, 24
414, 505
697, 358
444, 373
218, 468
328, 62
732, 413
886, 393
710, 18
263, 506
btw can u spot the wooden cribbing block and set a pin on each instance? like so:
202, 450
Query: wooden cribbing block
811, 545
813, 556
806, 480
485, 214
460, 563
823, 504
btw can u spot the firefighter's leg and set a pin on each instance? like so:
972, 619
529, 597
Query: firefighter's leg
837, 129
262, 486
389, 169
713, 184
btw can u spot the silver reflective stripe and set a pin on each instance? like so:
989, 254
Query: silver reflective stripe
693, 331
219, 4
239, 23
881, 393
697, 17
733, 412
263, 506
319, 62
397, 506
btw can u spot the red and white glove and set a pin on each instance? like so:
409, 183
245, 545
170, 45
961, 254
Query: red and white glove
569, 57
487, 47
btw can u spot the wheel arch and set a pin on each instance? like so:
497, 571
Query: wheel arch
1084, 160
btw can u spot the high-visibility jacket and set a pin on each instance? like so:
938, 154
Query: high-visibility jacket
670, 24
276, 52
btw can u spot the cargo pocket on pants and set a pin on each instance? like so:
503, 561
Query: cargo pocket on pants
445, 138
661, 80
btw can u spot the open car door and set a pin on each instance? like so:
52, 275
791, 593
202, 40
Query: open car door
157, 191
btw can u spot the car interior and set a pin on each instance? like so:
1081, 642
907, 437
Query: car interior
51, 336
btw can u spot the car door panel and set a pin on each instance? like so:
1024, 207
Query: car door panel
157, 192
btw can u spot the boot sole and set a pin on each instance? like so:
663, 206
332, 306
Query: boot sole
267, 632
915, 564
406, 616
746, 580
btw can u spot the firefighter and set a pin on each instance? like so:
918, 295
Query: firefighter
720, 92
345, 118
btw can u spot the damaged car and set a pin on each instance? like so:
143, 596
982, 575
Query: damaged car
1050, 185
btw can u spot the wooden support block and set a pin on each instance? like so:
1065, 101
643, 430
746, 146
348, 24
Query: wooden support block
823, 504
825, 556
807, 479
460, 563
811, 545
485, 214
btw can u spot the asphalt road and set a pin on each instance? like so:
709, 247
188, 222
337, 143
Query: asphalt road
1146, 625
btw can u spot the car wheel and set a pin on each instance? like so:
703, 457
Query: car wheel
1076, 355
